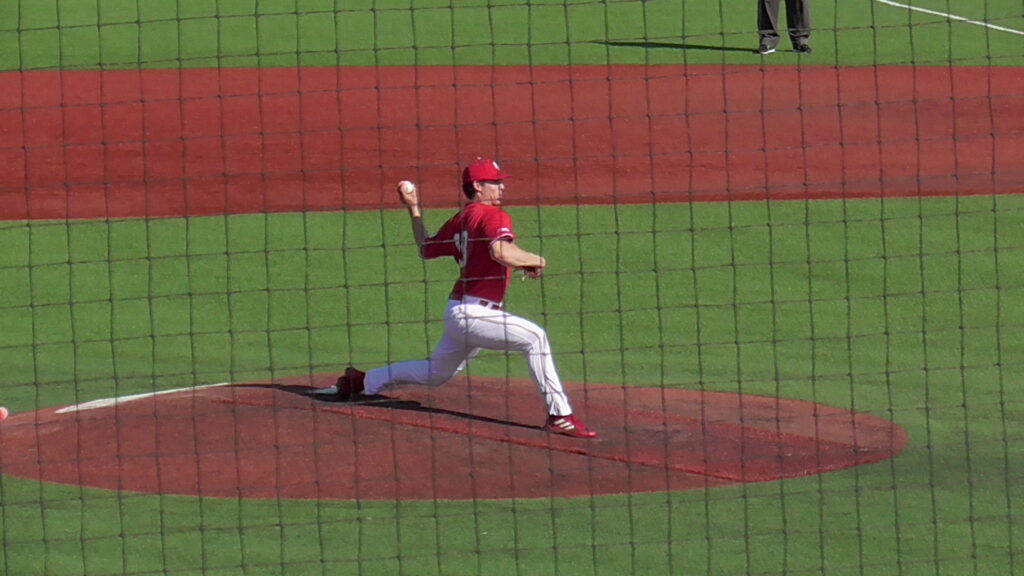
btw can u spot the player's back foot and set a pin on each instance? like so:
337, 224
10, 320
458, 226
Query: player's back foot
350, 385
568, 425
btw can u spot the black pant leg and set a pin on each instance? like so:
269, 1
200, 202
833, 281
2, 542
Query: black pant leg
798, 19
768, 21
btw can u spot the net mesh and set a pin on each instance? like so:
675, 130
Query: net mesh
783, 289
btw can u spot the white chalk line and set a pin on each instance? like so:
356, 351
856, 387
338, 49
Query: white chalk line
952, 17
108, 402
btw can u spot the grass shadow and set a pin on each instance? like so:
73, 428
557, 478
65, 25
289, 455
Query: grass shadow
676, 46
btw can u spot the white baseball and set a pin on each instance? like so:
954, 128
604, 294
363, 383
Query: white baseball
406, 187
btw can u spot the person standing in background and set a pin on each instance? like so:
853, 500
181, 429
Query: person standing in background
798, 20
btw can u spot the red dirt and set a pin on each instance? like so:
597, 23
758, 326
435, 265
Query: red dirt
156, 143
131, 143
459, 441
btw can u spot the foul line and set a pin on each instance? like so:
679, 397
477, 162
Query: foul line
952, 17
107, 402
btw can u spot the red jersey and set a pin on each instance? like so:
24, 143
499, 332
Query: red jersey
467, 237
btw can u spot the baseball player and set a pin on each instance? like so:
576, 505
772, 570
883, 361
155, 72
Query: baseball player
481, 240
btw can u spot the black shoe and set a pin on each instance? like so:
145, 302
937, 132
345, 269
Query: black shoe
765, 49
803, 48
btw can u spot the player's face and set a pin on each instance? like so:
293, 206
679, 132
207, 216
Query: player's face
490, 192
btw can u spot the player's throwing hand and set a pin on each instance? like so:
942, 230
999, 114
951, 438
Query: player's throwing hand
408, 194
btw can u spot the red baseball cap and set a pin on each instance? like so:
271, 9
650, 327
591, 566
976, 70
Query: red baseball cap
483, 169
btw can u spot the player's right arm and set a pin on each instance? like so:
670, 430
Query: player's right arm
410, 196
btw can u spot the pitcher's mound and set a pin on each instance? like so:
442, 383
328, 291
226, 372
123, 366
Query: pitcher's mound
478, 438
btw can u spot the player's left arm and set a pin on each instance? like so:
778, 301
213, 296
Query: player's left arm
505, 251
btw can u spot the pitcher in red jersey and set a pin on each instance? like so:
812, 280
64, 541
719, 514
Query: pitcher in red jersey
481, 240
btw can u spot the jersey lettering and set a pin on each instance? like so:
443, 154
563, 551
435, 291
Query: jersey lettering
462, 245
466, 238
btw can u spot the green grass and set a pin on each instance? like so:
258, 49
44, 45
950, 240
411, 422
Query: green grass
87, 34
908, 309
706, 293
649, 534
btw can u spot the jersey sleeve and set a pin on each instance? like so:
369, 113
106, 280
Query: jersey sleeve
441, 243
499, 227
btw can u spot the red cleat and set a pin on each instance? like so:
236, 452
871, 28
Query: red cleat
568, 425
351, 384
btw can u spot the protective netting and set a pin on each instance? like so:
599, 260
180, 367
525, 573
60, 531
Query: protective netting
784, 289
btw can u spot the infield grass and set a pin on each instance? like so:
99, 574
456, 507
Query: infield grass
908, 309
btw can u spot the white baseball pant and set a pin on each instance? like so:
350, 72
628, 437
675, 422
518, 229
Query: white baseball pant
468, 327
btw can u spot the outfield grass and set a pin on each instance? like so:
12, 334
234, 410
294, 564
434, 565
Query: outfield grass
77, 34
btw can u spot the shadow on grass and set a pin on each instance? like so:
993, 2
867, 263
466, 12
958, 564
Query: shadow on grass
677, 46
